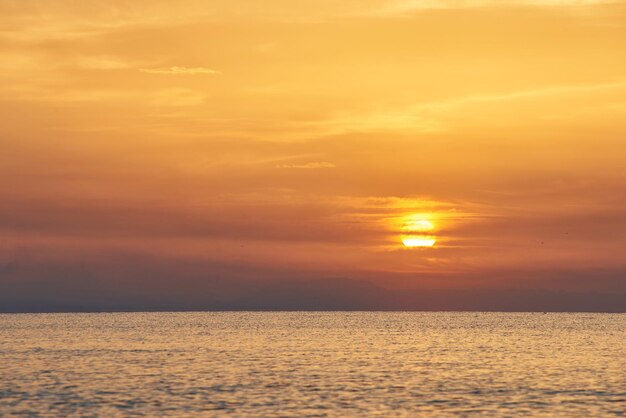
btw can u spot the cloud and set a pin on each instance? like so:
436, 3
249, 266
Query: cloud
559, 90
102, 63
25, 289
434, 116
317, 164
180, 70
402, 6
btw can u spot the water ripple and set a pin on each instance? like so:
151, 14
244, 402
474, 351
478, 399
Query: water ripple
313, 364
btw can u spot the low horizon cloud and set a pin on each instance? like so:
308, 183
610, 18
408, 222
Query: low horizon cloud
180, 70
320, 164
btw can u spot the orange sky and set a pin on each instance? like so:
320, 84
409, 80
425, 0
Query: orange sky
286, 139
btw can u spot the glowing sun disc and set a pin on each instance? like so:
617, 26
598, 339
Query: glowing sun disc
418, 242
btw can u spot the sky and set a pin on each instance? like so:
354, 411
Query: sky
383, 154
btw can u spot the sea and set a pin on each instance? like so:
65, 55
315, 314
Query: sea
313, 364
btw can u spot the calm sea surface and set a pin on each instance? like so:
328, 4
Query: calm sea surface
313, 364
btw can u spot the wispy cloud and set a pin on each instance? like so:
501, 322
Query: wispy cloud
400, 6
180, 71
559, 90
317, 164
101, 63
432, 117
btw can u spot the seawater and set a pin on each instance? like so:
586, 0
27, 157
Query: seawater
295, 364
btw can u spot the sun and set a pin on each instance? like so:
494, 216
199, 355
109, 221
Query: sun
417, 231
418, 241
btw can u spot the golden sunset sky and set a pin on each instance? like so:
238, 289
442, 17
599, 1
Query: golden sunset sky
292, 140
